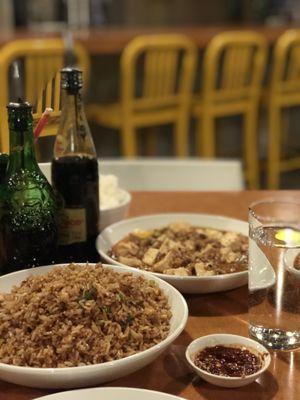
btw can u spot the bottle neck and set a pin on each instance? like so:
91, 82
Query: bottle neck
72, 104
22, 153
74, 136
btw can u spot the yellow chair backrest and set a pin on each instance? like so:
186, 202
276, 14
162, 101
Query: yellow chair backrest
233, 66
166, 65
285, 80
41, 60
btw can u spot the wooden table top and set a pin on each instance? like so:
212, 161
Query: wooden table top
211, 313
112, 40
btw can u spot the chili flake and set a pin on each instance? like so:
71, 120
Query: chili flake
230, 361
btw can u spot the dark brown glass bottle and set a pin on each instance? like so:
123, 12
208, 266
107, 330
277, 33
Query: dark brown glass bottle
75, 176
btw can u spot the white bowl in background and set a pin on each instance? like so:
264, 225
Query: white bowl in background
89, 375
226, 339
185, 284
109, 216
111, 393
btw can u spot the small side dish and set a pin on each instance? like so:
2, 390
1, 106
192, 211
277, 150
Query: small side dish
227, 360
183, 250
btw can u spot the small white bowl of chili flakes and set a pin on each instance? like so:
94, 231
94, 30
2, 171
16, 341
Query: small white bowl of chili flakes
227, 360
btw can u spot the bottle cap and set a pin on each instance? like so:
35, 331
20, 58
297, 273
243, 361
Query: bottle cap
71, 79
19, 115
22, 105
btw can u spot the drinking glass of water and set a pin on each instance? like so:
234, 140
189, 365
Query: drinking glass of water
274, 273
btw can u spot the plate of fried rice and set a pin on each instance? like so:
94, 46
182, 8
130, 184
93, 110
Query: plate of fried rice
76, 325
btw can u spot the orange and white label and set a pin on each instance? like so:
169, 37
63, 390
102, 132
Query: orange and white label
72, 226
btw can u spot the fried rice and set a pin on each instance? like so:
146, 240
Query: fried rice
80, 315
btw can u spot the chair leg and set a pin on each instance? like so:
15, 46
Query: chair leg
274, 142
128, 141
285, 126
150, 135
38, 152
206, 140
181, 137
251, 149
4, 135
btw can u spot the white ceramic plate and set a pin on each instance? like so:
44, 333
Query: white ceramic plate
185, 284
111, 393
68, 378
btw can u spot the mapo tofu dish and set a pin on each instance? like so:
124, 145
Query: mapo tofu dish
184, 250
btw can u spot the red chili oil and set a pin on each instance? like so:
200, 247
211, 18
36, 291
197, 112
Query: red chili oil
230, 361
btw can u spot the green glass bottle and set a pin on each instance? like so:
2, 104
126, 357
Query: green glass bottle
29, 210
3, 166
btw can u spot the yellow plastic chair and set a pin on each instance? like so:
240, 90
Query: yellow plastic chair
284, 92
233, 69
167, 65
41, 61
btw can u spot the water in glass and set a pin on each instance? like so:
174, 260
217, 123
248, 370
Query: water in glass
274, 284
